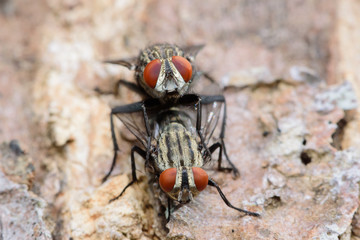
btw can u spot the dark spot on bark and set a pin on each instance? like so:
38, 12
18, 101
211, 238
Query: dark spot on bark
305, 158
273, 202
304, 142
338, 134
15, 147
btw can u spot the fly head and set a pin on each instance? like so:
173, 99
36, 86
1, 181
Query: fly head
183, 183
165, 71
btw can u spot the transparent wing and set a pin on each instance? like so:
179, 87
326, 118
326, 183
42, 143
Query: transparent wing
212, 111
130, 63
190, 52
204, 84
141, 118
132, 117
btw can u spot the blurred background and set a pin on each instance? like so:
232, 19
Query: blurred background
51, 55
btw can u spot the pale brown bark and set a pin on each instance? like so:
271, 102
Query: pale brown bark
292, 131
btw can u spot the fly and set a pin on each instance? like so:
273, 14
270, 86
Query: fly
166, 73
171, 147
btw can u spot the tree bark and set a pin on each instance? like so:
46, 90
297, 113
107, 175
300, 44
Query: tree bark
291, 78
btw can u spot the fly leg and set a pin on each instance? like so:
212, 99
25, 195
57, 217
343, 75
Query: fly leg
209, 78
130, 85
142, 153
212, 149
130, 108
136, 107
168, 210
115, 146
222, 136
214, 184
220, 98
172, 207
131, 64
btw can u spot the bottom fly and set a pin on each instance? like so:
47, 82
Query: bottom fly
175, 151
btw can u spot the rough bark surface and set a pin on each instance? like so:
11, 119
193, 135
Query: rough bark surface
291, 84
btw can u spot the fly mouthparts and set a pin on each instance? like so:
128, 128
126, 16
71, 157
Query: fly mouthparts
185, 196
171, 91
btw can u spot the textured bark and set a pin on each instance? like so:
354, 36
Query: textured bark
290, 69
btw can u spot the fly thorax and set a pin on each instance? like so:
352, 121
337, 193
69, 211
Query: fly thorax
177, 147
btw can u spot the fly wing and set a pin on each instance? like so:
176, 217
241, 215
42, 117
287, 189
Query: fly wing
204, 84
132, 116
190, 52
129, 63
211, 107
140, 118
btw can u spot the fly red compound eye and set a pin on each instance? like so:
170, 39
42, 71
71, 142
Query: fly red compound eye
201, 178
183, 66
151, 72
167, 179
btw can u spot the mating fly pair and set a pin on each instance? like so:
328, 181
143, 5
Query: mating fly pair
173, 126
